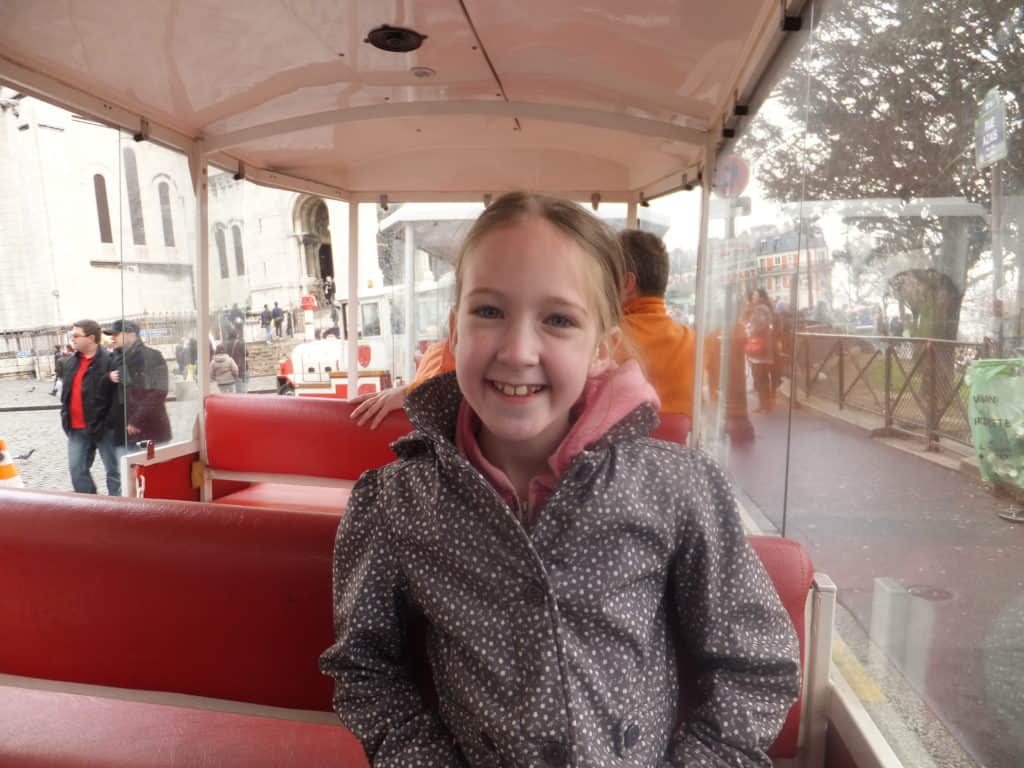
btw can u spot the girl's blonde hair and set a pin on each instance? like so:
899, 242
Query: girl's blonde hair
606, 269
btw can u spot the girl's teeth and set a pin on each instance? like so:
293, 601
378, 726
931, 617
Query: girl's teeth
514, 390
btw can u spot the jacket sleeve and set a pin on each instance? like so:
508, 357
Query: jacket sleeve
737, 633
374, 695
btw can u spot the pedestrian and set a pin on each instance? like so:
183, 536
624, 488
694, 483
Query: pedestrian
60, 358
191, 358
86, 398
278, 316
266, 320
236, 350
223, 370
236, 322
179, 358
558, 557
760, 349
140, 373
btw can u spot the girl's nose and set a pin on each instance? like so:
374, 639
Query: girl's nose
519, 346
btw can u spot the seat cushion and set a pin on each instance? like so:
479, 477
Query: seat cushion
296, 498
61, 729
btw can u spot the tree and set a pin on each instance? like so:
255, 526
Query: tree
889, 91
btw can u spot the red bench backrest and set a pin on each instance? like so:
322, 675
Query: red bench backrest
296, 436
211, 600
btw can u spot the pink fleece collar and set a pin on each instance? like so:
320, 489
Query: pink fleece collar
607, 399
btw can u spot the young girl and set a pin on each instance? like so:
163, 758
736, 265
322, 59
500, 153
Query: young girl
556, 554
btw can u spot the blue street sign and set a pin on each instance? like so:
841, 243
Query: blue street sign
990, 130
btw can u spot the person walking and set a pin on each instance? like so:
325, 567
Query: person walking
236, 350
266, 319
223, 370
278, 316
60, 358
86, 398
140, 373
760, 349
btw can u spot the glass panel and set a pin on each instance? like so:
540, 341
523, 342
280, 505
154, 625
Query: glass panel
882, 218
755, 246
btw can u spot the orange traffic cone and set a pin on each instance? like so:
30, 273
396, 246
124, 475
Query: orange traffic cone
8, 472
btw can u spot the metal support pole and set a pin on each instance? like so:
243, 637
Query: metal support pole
701, 303
997, 253
352, 340
198, 170
410, 304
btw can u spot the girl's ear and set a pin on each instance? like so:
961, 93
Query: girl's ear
452, 324
604, 354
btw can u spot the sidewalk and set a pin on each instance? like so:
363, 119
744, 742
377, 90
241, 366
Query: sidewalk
949, 454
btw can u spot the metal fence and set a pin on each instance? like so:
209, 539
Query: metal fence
914, 384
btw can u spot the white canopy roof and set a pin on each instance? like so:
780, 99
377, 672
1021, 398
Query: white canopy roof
577, 97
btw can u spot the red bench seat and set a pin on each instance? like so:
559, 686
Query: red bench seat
298, 498
60, 729
207, 600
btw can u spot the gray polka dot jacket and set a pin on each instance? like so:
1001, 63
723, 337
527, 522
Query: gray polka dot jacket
555, 645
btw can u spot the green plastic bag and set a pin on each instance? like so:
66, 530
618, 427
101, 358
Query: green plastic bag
995, 409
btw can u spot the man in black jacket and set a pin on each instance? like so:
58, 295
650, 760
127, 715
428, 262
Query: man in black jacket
85, 401
139, 412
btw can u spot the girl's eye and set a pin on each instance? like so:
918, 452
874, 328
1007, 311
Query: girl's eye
561, 321
487, 312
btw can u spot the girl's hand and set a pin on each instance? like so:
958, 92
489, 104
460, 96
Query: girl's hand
374, 407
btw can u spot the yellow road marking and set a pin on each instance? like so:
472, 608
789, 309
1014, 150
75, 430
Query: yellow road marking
860, 681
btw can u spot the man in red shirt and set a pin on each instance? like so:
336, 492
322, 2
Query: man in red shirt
86, 397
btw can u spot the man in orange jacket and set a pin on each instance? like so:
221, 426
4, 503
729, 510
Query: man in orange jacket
667, 350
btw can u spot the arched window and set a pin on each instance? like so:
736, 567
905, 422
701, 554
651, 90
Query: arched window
131, 177
222, 251
236, 236
99, 186
165, 213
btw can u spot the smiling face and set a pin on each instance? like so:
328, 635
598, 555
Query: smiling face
525, 335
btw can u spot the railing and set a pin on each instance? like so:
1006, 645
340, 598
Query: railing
913, 384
